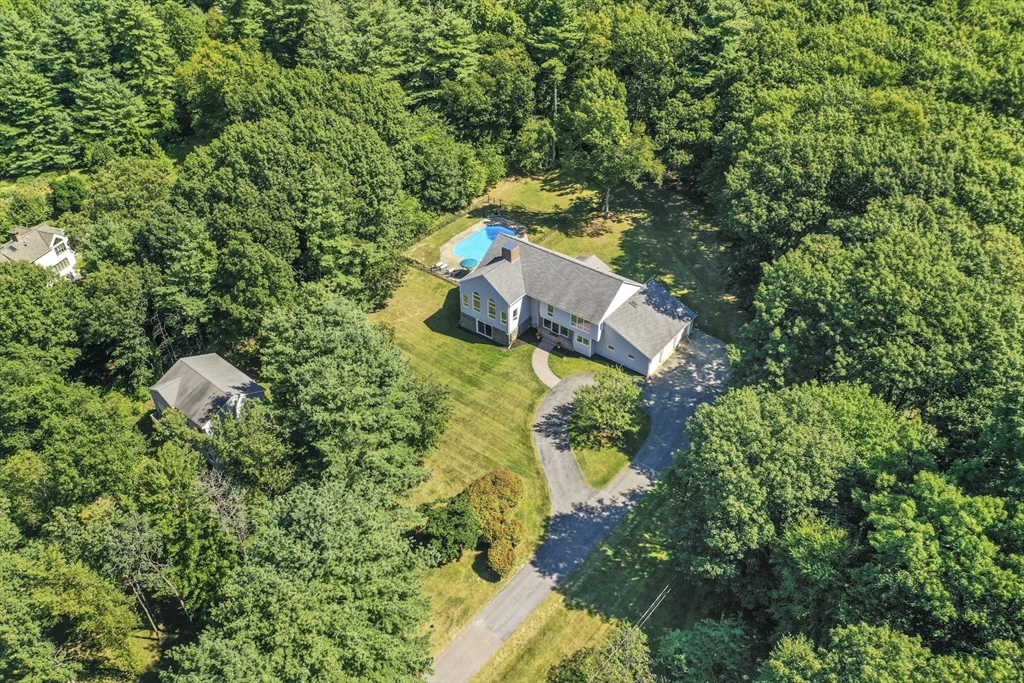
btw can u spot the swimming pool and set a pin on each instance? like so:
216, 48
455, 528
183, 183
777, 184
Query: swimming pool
477, 244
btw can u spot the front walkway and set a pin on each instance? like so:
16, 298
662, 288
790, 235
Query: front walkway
582, 516
540, 364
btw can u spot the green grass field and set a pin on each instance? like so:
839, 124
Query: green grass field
599, 466
496, 395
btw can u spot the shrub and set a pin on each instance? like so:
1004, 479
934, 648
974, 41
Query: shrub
709, 651
513, 531
608, 412
501, 556
494, 498
69, 192
623, 656
28, 208
452, 528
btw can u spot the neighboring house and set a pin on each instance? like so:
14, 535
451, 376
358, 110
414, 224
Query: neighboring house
202, 386
579, 303
44, 246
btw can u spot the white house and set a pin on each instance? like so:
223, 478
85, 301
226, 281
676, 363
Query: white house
579, 303
202, 386
44, 246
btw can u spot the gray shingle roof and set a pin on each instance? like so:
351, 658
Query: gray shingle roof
594, 262
577, 286
650, 319
199, 386
29, 243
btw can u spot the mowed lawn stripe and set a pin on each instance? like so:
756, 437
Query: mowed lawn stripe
496, 395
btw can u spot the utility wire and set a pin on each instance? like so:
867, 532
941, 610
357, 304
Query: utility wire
629, 634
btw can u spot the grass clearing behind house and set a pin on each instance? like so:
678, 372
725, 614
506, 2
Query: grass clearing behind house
496, 395
652, 233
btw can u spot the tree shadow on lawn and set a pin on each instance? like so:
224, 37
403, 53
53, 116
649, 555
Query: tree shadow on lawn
622, 578
445, 321
673, 241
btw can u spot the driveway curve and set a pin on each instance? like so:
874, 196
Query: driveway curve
582, 516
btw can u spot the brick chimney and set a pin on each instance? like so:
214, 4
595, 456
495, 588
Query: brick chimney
510, 252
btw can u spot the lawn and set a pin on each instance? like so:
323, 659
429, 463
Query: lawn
599, 466
496, 395
618, 581
564, 363
652, 232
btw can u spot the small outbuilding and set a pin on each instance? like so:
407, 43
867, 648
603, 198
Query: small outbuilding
202, 386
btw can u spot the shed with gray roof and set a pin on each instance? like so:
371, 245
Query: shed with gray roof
202, 386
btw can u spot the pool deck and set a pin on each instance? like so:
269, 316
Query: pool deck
448, 248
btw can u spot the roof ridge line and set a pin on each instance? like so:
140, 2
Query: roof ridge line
572, 259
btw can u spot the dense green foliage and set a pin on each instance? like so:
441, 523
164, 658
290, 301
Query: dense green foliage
242, 178
608, 412
624, 658
484, 511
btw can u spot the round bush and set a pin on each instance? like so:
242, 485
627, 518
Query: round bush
512, 531
494, 498
501, 557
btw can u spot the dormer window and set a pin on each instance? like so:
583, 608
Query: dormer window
60, 248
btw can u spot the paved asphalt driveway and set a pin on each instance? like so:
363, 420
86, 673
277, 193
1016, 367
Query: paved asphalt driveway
582, 516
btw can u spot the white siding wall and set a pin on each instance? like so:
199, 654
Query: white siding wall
484, 289
564, 318
620, 354
52, 258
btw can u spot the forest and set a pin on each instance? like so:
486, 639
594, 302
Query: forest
242, 177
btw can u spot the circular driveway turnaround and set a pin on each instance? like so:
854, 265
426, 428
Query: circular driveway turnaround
582, 516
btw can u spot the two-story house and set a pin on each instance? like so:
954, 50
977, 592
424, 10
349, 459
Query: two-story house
577, 302
44, 246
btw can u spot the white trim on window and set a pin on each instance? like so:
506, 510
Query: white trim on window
465, 300
579, 323
611, 348
504, 318
582, 340
551, 311
491, 309
476, 301
630, 356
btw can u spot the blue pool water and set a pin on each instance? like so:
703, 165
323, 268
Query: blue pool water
477, 244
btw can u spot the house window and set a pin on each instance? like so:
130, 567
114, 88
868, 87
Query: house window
504, 318
630, 356
60, 248
465, 300
515, 314
579, 323
551, 311
484, 329
476, 302
611, 348
580, 339
548, 325
491, 310
564, 331
61, 266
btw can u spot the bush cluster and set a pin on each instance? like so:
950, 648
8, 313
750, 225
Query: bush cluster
607, 413
484, 511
